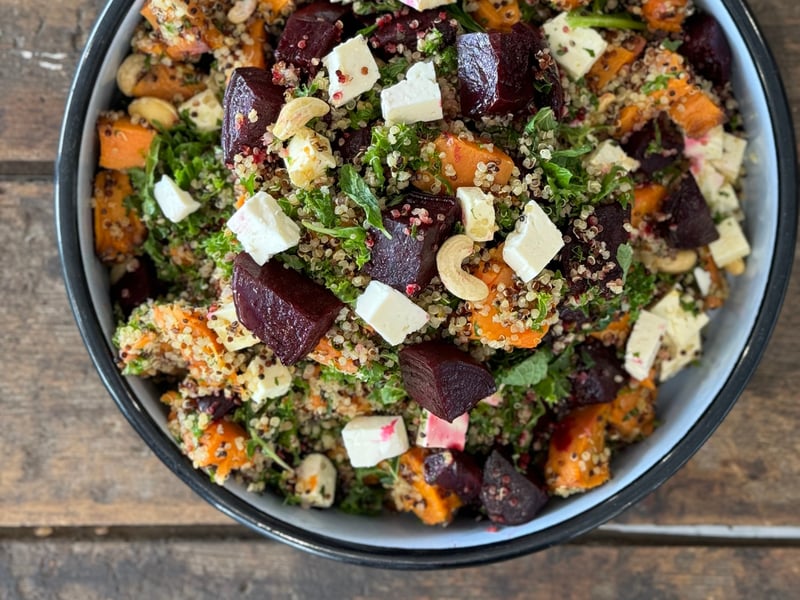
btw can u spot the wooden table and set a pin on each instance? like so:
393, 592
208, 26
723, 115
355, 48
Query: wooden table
87, 512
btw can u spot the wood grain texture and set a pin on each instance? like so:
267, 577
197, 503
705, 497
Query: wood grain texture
169, 569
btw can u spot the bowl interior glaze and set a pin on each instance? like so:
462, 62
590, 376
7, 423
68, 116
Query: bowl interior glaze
690, 406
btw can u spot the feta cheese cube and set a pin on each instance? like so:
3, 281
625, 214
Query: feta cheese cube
223, 321
204, 110
477, 213
708, 179
731, 245
643, 344
417, 98
315, 482
389, 312
703, 280
533, 243
730, 163
263, 228
609, 155
679, 356
682, 324
576, 49
434, 432
421, 5
369, 440
175, 203
308, 156
707, 147
724, 202
351, 70
262, 380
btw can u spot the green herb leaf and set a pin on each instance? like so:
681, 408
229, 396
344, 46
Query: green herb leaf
354, 240
544, 120
358, 191
624, 259
620, 20
457, 12
527, 373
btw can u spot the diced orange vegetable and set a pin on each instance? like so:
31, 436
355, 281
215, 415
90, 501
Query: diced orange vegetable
117, 228
326, 354
719, 287
276, 8
647, 199
578, 459
632, 414
497, 15
631, 117
173, 83
184, 26
615, 332
253, 52
431, 503
187, 331
612, 61
223, 446
123, 143
485, 318
463, 157
569, 4
664, 15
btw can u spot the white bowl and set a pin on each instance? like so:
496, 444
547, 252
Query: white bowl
690, 407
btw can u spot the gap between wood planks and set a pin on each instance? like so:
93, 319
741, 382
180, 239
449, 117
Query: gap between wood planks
21, 170
607, 535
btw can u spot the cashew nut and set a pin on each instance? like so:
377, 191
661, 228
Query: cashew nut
241, 11
296, 113
130, 72
457, 281
680, 263
154, 110
735, 267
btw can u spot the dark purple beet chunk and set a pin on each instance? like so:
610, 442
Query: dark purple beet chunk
509, 497
283, 308
494, 72
418, 226
216, 405
689, 223
136, 286
547, 88
310, 34
351, 143
407, 26
454, 471
249, 89
599, 375
443, 379
656, 146
706, 48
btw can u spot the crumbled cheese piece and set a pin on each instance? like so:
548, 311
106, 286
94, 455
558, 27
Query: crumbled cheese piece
263, 228
315, 483
682, 324
731, 244
706, 147
223, 321
351, 70
175, 203
434, 432
369, 440
389, 312
730, 163
533, 243
421, 5
609, 155
477, 213
576, 49
679, 356
204, 110
262, 380
308, 157
703, 280
643, 344
415, 99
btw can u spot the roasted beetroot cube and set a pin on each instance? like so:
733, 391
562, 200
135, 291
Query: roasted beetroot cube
599, 375
217, 405
443, 379
455, 471
510, 497
283, 308
137, 285
494, 72
310, 34
407, 26
251, 103
418, 226
547, 88
706, 48
656, 145
689, 222
353, 142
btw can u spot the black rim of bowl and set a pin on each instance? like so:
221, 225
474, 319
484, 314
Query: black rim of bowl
66, 210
